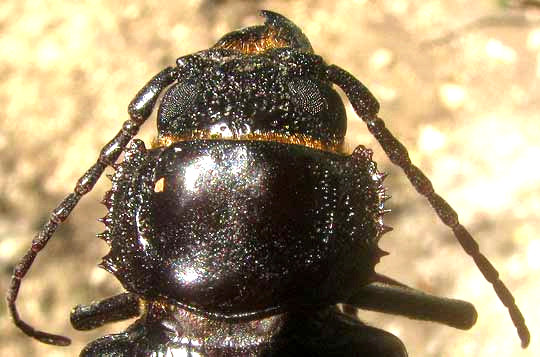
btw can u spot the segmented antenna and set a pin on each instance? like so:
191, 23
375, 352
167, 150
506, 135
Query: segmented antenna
139, 110
367, 107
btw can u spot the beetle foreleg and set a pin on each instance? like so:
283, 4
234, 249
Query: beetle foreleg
414, 304
116, 308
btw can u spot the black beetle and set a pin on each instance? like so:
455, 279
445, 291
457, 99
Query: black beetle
245, 224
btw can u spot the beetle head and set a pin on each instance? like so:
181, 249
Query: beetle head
259, 83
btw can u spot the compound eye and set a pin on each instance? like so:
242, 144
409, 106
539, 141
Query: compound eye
307, 96
178, 101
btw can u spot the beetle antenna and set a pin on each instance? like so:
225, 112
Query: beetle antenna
139, 110
367, 107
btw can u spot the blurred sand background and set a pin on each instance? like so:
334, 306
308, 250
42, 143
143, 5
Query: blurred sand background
458, 83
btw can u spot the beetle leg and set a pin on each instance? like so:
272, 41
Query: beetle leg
367, 107
414, 304
116, 308
139, 110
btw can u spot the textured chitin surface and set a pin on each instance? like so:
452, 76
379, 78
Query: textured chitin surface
258, 80
242, 227
228, 93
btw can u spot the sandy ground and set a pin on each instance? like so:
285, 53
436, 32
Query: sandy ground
457, 81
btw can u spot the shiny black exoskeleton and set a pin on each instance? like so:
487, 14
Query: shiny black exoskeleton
246, 223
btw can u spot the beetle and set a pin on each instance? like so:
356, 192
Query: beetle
246, 222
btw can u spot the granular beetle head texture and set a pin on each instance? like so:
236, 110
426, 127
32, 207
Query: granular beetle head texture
260, 83
245, 224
